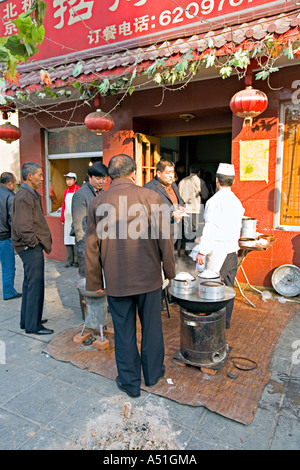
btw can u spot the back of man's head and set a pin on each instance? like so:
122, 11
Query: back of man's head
7, 177
195, 168
225, 180
121, 166
29, 167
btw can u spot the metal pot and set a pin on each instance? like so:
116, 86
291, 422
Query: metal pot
212, 290
248, 228
188, 286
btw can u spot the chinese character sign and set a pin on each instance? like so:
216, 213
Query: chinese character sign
77, 25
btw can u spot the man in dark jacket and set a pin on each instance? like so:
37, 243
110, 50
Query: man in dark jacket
7, 254
163, 184
125, 237
30, 237
97, 174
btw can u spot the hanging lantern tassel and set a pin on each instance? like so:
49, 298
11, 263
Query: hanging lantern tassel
248, 104
99, 122
9, 133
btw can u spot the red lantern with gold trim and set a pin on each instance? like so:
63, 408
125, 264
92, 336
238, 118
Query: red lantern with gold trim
9, 133
248, 104
99, 122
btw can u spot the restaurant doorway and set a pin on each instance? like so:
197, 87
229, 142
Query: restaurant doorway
207, 149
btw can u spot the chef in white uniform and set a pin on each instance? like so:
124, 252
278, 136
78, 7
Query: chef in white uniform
218, 246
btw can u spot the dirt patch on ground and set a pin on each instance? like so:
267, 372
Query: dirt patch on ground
126, 426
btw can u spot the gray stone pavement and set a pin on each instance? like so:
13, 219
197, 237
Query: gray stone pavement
48, 404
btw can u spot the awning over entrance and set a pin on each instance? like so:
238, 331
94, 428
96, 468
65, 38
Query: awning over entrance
284, 28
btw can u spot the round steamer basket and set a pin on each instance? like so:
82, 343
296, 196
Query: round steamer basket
188, 286
211, 290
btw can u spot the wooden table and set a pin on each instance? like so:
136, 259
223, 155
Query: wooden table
243, 252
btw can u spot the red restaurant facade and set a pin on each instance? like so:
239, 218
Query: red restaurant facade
188, 120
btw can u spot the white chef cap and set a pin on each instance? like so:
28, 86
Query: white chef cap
226, 169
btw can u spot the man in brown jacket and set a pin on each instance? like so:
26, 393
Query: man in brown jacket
128, 236
30, 236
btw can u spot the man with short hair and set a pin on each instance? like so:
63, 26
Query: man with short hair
126, 238
8, 184
163, 184
219, 245
97, 175
31, 236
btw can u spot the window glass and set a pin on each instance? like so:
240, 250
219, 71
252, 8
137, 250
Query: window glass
72, 149
73, 140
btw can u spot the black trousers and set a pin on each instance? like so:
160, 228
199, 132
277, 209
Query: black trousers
228, 273
33, 288
129, 361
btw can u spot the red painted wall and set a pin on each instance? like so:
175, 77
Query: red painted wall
258, 197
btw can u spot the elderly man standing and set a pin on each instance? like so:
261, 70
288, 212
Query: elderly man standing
30, 237
219, 245
126, 238
7, 254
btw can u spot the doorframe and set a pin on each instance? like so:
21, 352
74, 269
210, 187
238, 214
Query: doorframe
141, 165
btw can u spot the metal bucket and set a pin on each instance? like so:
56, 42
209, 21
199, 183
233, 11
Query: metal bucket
248, 228
95, 306
202, 337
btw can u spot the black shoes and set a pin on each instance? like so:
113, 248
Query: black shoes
15, 296
123, 389
42, 331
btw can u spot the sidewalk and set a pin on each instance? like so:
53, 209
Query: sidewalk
47, 404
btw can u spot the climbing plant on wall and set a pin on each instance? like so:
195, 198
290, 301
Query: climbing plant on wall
22, 46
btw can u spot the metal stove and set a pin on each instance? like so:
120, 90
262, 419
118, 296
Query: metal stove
202, 329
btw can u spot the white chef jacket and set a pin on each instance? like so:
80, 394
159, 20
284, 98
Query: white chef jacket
223, 220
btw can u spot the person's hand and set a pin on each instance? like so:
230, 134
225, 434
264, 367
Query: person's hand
178, 214
200, 259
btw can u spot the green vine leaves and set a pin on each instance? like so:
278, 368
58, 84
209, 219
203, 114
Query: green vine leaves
164, 74
22, 46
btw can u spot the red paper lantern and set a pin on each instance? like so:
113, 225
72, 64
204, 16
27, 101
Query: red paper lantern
9, 132
248, 104
99, 122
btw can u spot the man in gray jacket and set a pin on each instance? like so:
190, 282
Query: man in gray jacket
7, 254
97, 174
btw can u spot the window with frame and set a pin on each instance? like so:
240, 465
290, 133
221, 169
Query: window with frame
68, 149
290, 178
